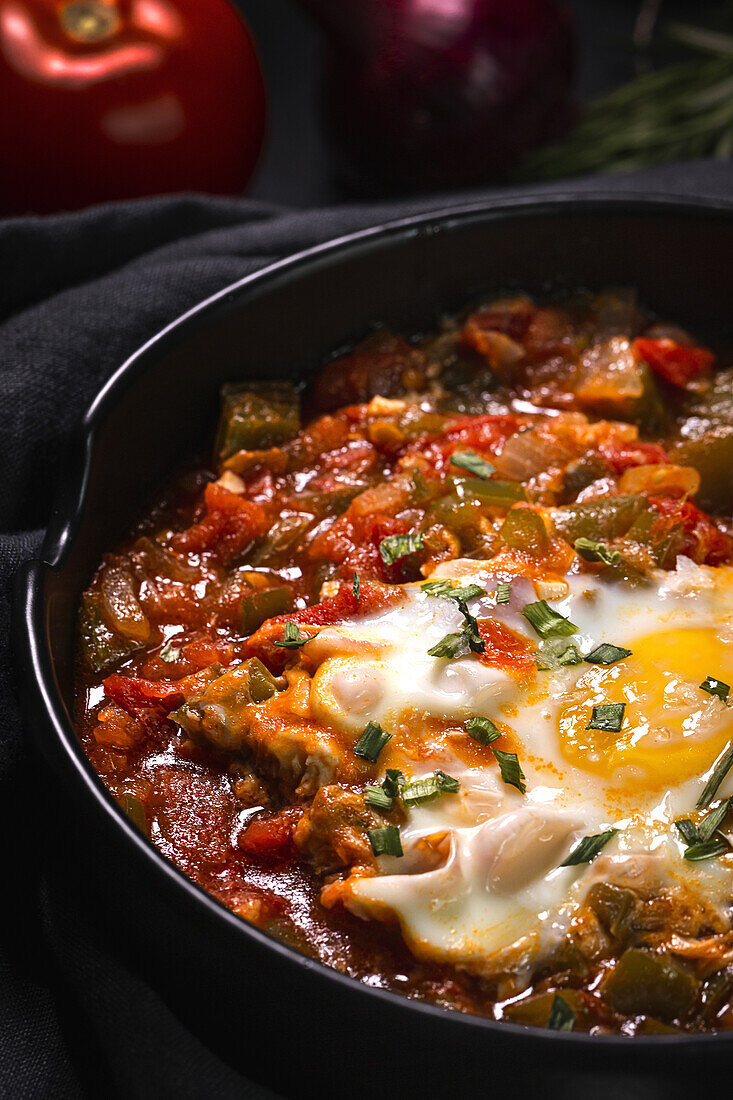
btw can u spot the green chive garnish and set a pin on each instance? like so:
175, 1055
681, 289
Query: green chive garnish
371, 742
399, 546
475, 464
377, 798
704, 841
720, 771
712, 821
385, 841
562, 1017
503, 592
510, 770
446, 590
546, 622
607, 716
687, 831
716, 687
596, 551
356, 588
588, 848
607, 654
707, 849
557, 652
428, 788
482, 730
293, 639
393, 782
451, 646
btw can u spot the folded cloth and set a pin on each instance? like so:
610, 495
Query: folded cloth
80, 293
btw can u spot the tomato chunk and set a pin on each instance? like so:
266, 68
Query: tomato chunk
230, 525
624, 456
675, 363
133, 694
269, 838
506, 650
705, 543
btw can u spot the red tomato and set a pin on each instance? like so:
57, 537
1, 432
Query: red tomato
624, 456
675, 363
112, 99
269, 838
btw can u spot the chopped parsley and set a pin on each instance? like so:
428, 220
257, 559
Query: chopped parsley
475, 464
385, 841
607, 716
293, 639
588, 848
596, 551
716, 687
371, 742
395, 547
547, 622
607, 654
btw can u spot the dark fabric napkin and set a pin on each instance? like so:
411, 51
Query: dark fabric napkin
80, 292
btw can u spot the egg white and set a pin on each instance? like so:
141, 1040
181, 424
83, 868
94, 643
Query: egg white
481, 879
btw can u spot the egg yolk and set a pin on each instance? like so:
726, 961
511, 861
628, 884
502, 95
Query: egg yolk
672, 730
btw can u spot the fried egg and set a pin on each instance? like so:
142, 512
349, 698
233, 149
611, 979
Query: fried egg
480, 883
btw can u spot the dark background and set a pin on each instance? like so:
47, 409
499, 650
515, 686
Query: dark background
295, 168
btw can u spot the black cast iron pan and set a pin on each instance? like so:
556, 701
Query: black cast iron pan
282, 1019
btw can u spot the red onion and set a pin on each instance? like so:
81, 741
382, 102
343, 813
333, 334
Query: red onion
432, 93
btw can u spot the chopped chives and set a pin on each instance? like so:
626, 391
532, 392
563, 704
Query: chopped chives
503, 592
385, 841
293, 639
596, 551
356, 588
482, 730
716, 687
712, 821
687, 831
475, 464
588, 848
707, 849
393, 782
557, 652
377, 798
371, 742
395, 547
607, 654
607, 716
547, 622
451, 646
720, 771
428, 788
510, 769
